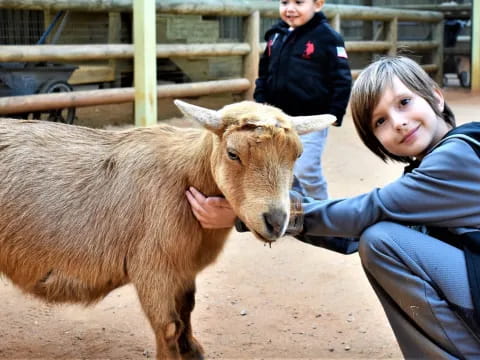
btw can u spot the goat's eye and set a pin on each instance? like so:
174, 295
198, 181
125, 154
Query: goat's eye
232, 155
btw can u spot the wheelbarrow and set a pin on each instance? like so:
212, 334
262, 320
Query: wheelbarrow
39, 78
18, 78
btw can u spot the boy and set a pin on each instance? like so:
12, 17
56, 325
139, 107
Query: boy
418, 234
304, 71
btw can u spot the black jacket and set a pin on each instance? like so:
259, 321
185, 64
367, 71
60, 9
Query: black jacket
305, 71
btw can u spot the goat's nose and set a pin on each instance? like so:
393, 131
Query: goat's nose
275, 222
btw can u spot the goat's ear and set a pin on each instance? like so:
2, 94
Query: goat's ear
308, 124
210, 119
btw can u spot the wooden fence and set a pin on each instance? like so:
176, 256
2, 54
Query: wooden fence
250, 49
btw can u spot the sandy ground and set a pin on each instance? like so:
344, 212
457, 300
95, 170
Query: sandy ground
290, 301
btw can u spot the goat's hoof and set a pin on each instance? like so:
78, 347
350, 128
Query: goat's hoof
194, 351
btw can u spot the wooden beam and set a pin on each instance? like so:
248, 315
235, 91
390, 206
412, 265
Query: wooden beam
65, 53
419, 45
367, 46
223, 7
145, 62
40, 102
87, 74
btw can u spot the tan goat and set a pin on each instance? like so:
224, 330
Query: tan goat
84, 211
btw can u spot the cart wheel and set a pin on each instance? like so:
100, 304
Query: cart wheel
66, 115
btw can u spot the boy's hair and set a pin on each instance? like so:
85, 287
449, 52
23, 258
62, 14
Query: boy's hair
369, 87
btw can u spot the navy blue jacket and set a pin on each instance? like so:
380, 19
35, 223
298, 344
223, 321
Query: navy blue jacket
305, 71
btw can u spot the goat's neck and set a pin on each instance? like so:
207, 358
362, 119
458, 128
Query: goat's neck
200, 175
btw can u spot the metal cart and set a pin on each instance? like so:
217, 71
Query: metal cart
39, 78
18, 78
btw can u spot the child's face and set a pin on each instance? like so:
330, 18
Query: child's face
404, 122
298, 12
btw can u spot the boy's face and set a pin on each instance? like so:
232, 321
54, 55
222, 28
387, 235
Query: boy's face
405, 123
298, 12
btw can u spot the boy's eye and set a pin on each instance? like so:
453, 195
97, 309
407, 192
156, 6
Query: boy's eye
404, 102
379, 122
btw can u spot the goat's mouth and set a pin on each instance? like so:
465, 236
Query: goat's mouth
263, 238
267, 240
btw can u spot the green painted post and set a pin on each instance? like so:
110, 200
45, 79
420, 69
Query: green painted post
145, 59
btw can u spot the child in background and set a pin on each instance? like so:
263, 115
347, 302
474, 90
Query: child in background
304, 71
417, 235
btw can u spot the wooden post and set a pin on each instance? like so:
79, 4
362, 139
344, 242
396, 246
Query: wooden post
145, 68
47, 19
336, 24
437, 55
250, 62
114, 29
392, 36
475, 69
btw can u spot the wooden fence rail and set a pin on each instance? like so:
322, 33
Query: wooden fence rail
40, 102
249, 49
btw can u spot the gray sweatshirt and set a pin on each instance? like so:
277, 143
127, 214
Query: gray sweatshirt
443, 191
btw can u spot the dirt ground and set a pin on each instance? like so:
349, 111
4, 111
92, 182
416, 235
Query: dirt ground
290, 301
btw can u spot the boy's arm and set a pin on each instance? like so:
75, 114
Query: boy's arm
341, 81
342, 245
216, 213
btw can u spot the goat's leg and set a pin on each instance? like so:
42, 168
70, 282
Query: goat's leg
157, 297
190, 348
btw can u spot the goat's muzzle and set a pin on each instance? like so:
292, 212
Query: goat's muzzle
275, 223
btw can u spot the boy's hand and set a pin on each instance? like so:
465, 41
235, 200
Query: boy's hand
212, 212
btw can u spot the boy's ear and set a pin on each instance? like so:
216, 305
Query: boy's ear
319, 4
440, 99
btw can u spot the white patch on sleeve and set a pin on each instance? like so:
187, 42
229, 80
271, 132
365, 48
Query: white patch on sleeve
341, 52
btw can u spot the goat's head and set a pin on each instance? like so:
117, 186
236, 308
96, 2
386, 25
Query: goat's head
252, 162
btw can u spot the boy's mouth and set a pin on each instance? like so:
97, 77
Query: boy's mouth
410, 135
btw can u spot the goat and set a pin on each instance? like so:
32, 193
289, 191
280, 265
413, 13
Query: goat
84, 211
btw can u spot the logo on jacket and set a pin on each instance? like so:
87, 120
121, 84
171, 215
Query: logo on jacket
309, 50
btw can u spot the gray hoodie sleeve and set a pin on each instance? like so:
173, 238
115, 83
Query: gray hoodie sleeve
444, 191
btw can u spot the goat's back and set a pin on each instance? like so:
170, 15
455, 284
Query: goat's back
83, 199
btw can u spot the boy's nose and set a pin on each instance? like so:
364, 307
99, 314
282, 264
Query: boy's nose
399, 121
290, 7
